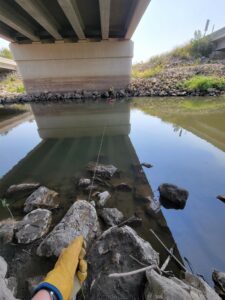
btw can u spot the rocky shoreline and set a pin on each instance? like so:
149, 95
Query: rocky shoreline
168, 83
113, 247
138, 88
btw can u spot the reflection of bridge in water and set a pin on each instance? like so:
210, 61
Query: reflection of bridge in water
71, 138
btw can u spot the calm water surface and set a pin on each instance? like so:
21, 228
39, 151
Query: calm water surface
183, 139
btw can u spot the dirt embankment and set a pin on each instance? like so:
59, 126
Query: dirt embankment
172, 78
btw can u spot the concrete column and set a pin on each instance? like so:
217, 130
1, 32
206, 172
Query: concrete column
70, 66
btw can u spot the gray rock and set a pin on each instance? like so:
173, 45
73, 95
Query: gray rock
103, 198
33, 226
5, 293
84, 182
92, 203
115, 250
41, 198
172, 196
219, 281
22, 187
12, 285
33, 282
81, 219
3, 267
111, 216
191, 288
152, 206
105, 171
7, 231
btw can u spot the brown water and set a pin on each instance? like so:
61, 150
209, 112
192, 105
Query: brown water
183, 139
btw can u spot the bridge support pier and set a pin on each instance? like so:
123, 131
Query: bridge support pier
60, 67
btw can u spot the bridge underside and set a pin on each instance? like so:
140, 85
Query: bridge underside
61, 45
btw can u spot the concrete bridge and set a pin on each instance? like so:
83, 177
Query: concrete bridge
62, 45
218, 38
7, 65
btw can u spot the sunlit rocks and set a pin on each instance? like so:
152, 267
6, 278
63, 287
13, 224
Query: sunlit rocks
219, 281
7, 230
116, 250
191, 287
111, 216
105, 171
80, 219
33, 226
22, 187
172, 196
41, 198
103, 198
84, 182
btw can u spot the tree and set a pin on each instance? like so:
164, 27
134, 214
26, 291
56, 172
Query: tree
6, 53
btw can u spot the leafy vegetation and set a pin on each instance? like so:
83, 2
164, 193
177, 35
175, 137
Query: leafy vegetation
203, 83
6, 53
147, 73
12, 84
5, 204
199, 46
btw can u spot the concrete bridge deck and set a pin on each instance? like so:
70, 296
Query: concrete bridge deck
62, 45
218, 38
7, 64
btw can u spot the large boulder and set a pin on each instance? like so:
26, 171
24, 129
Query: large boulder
119, 249
219, 281
81, 219
111, 216
190, 288
33, 226
7, 230
22, 187
41, 198
172, 196
5, 293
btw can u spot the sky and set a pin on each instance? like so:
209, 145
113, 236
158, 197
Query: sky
169, 23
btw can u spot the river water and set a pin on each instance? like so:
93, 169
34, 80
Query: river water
184, 140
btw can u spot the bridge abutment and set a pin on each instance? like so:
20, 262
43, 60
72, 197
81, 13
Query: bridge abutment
60, 67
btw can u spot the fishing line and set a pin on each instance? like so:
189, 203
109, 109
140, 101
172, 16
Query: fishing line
97, 162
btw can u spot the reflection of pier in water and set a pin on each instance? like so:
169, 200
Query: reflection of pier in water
12, 118
71, 136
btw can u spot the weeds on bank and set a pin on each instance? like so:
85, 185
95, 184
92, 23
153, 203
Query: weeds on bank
203, 83
5, 204
192, 52
147, 73
12, 84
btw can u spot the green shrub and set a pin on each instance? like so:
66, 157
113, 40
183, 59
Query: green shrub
183, 52
13, 84
6, 53
147, 73
203, 83
201, 47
